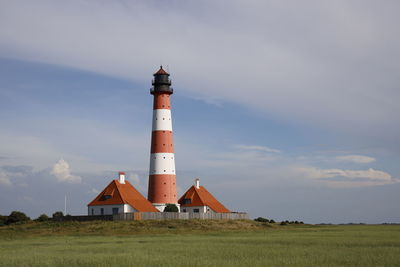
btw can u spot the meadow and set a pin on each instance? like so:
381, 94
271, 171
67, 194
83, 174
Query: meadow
198, 243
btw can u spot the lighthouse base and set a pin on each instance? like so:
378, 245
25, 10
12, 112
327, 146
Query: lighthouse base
161, 206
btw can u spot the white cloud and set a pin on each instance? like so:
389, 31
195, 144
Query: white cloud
356, 158
4, 179
39, 150
94, 191
317, 173
258, 148
316, 65
369, 177
62, 172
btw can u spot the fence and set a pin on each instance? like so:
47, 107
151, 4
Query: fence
179, 216
83, 218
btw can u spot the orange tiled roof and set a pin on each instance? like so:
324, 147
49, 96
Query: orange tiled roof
201, 197
161, 71
123, 194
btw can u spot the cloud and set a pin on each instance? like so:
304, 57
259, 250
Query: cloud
369, 177
316, 173
317, 66
8, 172
40, 149
93, 191
4, 179
356, 158
258, 148
62, 172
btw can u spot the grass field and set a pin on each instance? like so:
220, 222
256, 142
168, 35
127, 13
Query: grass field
198, 243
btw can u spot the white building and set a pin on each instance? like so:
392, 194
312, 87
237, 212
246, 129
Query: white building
198, 199
119, 197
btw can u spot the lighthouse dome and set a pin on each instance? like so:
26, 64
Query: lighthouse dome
161, 82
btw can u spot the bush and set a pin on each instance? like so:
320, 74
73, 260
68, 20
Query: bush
42, 218
3, 220
283, 223
261, 219
58, 215
171, 208
17, 217
271, 221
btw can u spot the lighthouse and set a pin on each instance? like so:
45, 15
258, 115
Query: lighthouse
162, 173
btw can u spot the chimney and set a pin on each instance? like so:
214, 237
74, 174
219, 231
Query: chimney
121, 177
197, 183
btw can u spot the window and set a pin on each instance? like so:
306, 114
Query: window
107, 197
101, 211
187, 201
196, 210
114, 211
92, 211
184, 210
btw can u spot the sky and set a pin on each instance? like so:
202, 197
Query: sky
284, 109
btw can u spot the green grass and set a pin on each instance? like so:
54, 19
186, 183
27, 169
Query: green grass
198, 243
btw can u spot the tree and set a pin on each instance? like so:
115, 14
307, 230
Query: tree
171, 208
261, 219
42, 218
58, 215
3, 220
17, 216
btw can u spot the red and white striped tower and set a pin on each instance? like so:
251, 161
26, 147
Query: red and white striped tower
162, 176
